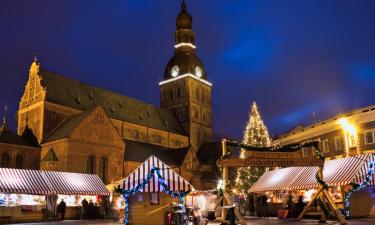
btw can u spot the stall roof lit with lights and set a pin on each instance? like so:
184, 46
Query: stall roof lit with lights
153, 175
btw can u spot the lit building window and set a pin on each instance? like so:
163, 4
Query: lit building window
369, 137
304, 152
351, 141
337, 143
325, 146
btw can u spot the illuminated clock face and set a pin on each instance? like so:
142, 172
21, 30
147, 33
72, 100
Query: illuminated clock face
198, 71
174, 71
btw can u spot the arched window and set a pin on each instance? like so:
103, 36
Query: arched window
19, 161
178, 92
103, 169
165, 96
90, 164
204, 117
5, 160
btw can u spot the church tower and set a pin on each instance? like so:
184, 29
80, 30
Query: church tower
185, 88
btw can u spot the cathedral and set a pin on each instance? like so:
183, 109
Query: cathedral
87, 129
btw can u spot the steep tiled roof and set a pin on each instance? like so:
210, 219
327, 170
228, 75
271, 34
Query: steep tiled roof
9, 137
69, 92
139, 152
67, 126
28, 135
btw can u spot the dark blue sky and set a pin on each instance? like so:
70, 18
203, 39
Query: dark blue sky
292, 57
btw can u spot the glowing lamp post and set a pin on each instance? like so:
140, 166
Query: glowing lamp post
349, 132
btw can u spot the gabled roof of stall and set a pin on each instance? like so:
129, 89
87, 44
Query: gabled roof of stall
174, 181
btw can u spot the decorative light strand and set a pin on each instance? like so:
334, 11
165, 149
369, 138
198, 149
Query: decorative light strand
185, 45
357, 187
255, 134
280, 148
127, 193
183, 76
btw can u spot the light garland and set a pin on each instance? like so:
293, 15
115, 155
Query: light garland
185, 45
281, 148
255, 134
357, 187
183, 76
127, 193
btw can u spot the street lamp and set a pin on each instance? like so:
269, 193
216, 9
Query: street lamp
349, 133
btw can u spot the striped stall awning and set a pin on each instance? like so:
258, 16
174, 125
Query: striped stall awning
174, 181
306, 180
340, 172
336, 172
50, 182
23, 182
278, 179
363, 170
76, 183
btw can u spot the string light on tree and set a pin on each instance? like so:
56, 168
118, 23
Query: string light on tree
255, 134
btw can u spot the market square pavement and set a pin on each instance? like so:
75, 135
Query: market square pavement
250, 221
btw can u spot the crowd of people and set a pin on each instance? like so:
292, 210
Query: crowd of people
258, 206
89, 209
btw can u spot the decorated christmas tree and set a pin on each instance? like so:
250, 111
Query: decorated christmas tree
256, 134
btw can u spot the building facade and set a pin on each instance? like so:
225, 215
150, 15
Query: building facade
18, 151
346, 134
83, 128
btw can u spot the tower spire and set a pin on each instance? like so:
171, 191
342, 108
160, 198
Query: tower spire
5, 115
183, 5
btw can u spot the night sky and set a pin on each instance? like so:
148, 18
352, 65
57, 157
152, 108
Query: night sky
291, 57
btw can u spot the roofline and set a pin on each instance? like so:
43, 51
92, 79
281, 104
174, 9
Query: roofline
329, 121
94, 86
77, 111
25, 146
44, 143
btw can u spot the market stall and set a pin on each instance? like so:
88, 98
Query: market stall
32, 195
22, 195
74, 187
149, 191
340, 175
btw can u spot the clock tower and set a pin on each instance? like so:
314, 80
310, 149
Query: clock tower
185, 88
